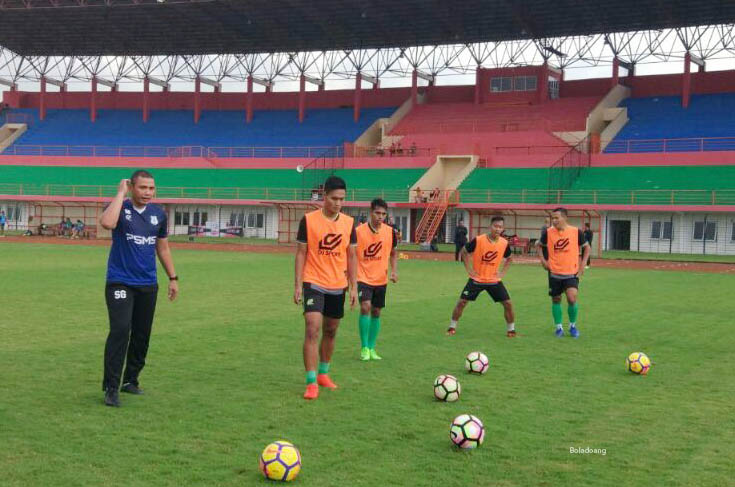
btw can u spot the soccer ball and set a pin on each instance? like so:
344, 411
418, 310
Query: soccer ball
280, 461
467, 431
447, 388
638, 363
476, 363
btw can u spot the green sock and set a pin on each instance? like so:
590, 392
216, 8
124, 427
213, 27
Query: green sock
573, 309
364, 330
374, 330
310, 377
323, 367
556, 313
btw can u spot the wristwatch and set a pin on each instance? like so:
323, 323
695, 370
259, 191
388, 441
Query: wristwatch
173, 278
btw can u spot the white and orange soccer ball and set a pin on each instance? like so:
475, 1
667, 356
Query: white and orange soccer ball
476, 363
467, 431
638, 363
447, 388
280, 460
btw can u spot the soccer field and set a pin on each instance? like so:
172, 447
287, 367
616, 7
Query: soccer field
224, 378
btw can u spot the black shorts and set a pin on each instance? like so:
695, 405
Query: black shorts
329, 305
558, 286
473, 289
374, 294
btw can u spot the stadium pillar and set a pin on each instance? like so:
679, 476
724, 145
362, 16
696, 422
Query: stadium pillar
358, 99
615, 71
42, 100
249, 101
93, 101
686, 81
146, 91
197, 99
542, 87
414, 87
376, 85
321, 86
302, 97
477, 86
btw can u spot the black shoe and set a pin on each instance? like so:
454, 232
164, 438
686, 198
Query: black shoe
131, 388
112, 398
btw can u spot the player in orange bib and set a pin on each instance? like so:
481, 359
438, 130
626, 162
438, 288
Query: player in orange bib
563, 243
376, 247
326, 265
482, 257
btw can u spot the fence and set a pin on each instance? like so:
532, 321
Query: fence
164, 151
567, 169
683, 197
705, 144
394, 151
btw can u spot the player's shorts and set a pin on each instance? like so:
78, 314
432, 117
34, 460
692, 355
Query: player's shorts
374, 294
329, 305
496, 291
558, 286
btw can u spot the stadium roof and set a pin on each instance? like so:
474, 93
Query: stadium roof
192, 27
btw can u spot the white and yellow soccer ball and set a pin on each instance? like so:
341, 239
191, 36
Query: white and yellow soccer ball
476, 363
447, 388
280, 460
467, 431
638, 363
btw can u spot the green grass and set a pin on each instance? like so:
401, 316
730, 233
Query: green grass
624, 254
224, 378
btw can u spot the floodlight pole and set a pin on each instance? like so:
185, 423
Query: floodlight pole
478, 78
615, 71
42, 100
414, 87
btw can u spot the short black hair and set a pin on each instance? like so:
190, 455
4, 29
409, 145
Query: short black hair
334, 182
561, 210
587, 225
378, 203
140, 173
497, 218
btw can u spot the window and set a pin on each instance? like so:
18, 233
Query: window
662, 230
204, 218
185, 218
706, 230
196, 218
668, 231
525, 83
655, 229
256, 220
177, 218
732, 234
498, 85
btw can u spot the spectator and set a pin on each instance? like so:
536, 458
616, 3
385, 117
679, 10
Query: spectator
434, 245
413, 148
3, 220
399, 149
419, 195
68, 227
78, 229
588, 238
435, 194
60, 227
393, 149
460, 239
42, 229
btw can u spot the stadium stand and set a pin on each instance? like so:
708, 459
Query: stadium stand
655, 123
269, 128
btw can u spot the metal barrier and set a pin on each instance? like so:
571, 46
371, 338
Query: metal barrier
171, 152
702, 144
520, 196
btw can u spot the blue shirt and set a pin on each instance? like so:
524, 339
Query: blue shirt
2, 219
132, 258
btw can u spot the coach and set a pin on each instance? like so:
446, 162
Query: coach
139, 232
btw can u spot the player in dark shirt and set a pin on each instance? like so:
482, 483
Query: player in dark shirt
139, 233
